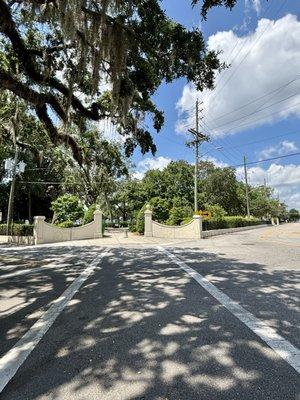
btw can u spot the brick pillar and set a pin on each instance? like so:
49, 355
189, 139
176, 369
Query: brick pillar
148, 222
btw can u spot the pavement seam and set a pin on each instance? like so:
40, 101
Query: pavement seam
281, 346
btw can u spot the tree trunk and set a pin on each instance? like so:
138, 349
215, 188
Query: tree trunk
29, 207
12, 193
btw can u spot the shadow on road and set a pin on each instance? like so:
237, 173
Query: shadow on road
271, 295
141, 329
24, 298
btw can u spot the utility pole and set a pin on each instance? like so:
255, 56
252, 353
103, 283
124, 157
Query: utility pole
247, 189
198, 138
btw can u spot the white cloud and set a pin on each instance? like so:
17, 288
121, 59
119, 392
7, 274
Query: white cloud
150, 163
253, 5
257, 6
273, 64
285, 179
217, 163
282, 148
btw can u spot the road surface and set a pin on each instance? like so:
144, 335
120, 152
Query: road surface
210, 319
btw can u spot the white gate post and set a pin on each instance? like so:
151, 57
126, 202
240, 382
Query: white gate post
148, 222
198, 225
98, 221
38, 233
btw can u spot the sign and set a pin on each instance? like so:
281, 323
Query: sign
205, 214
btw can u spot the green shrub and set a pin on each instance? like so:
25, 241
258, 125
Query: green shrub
89, 214
140, 220
160, 208
178, 214
216, 211
230, 222
67, 208
17, 230
66, 224
132, 225
186, 220
238, 221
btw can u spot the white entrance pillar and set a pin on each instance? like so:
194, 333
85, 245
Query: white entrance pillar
198, 226
98, 222
148, 222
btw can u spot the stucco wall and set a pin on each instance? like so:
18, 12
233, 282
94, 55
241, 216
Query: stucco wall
48, 233
188, 231
192, 230
217, 232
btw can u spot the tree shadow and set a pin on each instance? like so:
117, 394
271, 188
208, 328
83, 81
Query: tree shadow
271, 295
140, 328
24, 298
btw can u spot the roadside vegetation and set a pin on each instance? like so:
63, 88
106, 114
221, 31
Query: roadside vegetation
47, 63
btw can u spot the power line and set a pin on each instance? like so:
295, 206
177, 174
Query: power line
248, 52
256, 111
236, 55
266, 159
220, 150
258, 98
266, 139
245, 124
229, 149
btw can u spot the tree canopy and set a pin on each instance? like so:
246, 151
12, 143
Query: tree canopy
170, 194
83, 60
50, 170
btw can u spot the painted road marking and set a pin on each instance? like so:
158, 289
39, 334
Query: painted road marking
15, 357
281, 346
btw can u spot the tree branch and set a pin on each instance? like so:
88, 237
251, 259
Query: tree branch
8, 28
40, 102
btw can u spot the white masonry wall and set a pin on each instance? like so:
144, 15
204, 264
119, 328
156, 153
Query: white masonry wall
192, 230
48, 233
217, 232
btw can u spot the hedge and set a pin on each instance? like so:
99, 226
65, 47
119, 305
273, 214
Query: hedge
230, 222
17, 230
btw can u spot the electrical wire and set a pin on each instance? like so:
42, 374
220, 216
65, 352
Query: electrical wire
250, 49
257, 98
266, 160
256, 111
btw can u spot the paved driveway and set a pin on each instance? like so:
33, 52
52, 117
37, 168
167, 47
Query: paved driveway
213, 319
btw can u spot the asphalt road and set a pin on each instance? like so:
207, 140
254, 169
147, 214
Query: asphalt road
131, 323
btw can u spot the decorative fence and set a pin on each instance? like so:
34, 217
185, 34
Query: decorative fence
192, 230
48, 233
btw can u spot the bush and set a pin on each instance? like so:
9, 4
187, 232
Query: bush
230, 222
89, 214
235, 222
216, 211
140, 220
66, 224
160, 208
132, 225
179, 214
67, 208
17, 230
186, 220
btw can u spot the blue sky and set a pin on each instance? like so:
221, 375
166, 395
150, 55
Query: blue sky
261, 40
